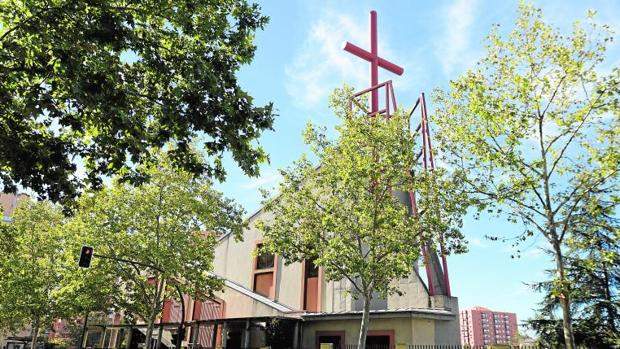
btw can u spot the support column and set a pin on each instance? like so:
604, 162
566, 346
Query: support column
194, 335
224, 334
159, 335
84, 337
245, 342
214, 336
296, 336
129, 335
102, 337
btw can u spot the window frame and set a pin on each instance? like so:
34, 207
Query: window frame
273, 271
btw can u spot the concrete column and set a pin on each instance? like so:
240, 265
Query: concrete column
129, 335
85, 339
102, 337
159, 334
214, 336
296, 336
224, 334
195, 330
245, 341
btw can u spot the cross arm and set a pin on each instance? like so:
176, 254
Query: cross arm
387, 65
363, 54
358, 51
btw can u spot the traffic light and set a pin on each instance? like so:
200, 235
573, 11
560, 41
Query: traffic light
85, 256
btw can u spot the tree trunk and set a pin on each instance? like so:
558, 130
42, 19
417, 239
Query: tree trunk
609, 306
154, 311
34, 332
149, 333
361, 342
567, 323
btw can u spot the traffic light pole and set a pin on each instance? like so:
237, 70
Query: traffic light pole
181, 329
81, 344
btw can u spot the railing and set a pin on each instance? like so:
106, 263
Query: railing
380, 346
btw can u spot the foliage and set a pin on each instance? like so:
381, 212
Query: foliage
593, 269
107, 82
343, 215
535, 128
167, 228
39, 280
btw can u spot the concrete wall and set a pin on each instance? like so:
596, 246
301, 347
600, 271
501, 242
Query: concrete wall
414, 295
448, 332
288, 289
406, 330
402, 329
234, 261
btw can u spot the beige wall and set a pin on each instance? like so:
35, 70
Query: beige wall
406, 330
448, 332
288, 290
414, 294
234, 261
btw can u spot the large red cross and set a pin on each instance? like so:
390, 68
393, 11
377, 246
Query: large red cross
374, 59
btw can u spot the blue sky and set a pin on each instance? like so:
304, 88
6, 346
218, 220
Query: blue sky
299, 61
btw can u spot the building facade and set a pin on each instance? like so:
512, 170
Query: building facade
264, 286
481, 326
266, 303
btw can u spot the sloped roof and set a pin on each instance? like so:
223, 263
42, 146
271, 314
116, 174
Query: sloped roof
260, 298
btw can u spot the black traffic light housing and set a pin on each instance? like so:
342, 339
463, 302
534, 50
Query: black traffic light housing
85, 256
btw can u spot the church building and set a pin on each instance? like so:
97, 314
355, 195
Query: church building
259, 290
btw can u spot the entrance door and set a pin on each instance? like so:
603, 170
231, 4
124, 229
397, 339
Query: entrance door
378, 342
335, 338
234, 339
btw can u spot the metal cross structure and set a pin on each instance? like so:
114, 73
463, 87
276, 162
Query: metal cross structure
436, 271
375, 61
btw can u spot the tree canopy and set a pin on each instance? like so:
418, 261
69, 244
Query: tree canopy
165, 230
39, 277
106, 83
593, 269
534, 127
342, 214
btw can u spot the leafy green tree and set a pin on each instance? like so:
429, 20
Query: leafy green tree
343, 215
593, 269
108, 81
38, 278
535, 128
167, 228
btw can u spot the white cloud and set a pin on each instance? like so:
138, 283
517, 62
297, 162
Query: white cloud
477, 242
322, 64
453, 47
267, 178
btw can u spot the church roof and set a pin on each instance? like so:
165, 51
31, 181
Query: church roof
260, 298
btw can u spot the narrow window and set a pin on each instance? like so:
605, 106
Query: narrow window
311, 286
264, 274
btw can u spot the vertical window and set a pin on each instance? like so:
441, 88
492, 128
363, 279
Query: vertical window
311, 286
264, 274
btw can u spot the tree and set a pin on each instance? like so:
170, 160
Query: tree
343, 216
535, 129
593, 269
105, 83
36, 281
166, 231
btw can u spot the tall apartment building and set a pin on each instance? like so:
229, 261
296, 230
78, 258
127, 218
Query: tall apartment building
482, 326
